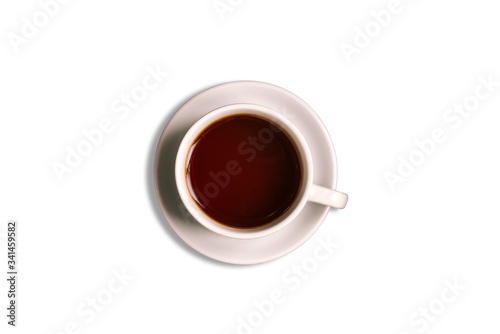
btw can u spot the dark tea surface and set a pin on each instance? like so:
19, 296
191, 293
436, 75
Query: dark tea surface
244, 171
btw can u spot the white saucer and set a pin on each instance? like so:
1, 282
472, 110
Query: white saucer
223, 248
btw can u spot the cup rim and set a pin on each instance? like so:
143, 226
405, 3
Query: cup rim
243, 109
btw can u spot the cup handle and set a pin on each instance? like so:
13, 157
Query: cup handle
328, 197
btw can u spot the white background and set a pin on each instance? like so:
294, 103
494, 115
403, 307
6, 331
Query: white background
397, 247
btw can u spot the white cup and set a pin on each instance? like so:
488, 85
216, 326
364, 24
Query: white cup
308, 191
